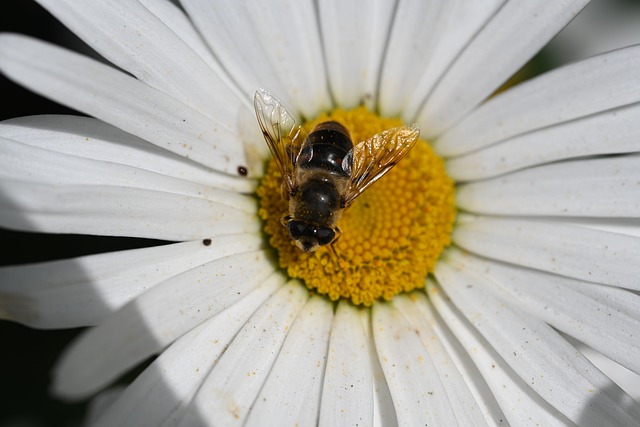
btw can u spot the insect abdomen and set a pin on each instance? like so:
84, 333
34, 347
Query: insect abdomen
325, 148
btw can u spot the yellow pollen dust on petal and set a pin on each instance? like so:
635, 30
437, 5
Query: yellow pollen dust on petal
392, 235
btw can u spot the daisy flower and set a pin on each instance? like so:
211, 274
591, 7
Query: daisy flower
465, 280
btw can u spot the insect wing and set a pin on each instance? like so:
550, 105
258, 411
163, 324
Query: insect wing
281, 132
374, 157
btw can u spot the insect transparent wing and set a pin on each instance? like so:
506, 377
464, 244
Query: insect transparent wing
374, 157
281, 132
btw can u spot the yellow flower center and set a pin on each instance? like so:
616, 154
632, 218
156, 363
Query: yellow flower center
392, 235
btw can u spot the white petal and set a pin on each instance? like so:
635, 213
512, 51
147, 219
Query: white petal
231, 388
110, 95
42, 166
130, 36
465, 407
244, 118
347, 394
354, 34
161, 394
274, 45
569, 250
538, 354
604, 317
495, 53
180, 24
411, 43
384, 412
291, 394
117, 211
627, 380
84, 291
428, 36
608, 187
519, 403
454, 30
612, 79
418, 394
611, 132
156, 318
99, 404
460, 362
628, 226
92, 139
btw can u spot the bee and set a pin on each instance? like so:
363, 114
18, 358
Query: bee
324, 172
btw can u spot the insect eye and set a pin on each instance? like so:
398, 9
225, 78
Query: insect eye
296, 228
324, 235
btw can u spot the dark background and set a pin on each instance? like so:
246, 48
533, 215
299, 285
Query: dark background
27, 355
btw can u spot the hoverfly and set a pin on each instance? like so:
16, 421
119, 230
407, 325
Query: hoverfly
324, 172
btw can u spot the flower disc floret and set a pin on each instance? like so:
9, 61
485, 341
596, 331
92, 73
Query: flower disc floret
393, 234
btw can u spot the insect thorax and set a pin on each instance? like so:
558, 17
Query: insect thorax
318, 199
